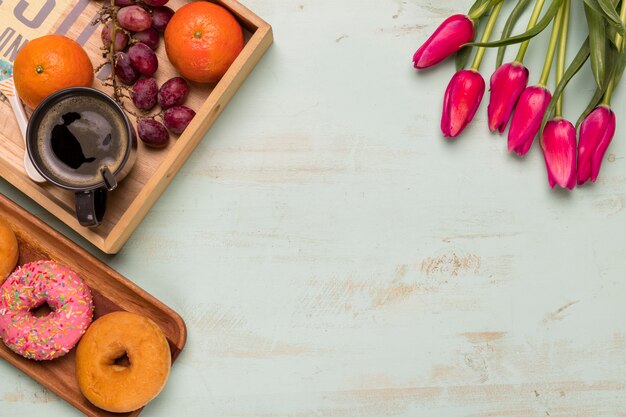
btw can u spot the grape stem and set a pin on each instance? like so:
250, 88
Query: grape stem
112, 51
108, 13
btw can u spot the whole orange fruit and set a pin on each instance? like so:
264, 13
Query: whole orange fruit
48, 64
202, 40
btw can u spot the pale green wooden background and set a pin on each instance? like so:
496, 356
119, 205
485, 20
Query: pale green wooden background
334, 256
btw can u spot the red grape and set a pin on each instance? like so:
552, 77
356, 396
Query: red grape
121, 39
143, 58
155, 2
144, 94
124, 69
134, 18
161, 17
149, 36
173, 93
152, 133
177, 118
124, 2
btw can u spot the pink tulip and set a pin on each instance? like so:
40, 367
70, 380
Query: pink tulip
461, 101
596, 133
559, 150
449, 37
507, 84
526, 122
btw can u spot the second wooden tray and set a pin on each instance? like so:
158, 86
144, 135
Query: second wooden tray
154, 169
111, 292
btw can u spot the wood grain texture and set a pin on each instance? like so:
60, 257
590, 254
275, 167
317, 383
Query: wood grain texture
334, 256
111, 292
154, 168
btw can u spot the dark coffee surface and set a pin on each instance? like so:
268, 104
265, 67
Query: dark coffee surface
66, 146
77, 137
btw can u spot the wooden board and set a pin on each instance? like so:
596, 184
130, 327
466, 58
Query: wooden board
111, 292
154, 169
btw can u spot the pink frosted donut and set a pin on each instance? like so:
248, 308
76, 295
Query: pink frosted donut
51, 336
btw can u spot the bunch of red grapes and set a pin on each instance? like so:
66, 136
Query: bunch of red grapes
141, 24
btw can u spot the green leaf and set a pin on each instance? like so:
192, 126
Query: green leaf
595, 100
620, 65
462, 57
508, 27
616, 61
597, 43
574, 67
476, 6
531, 33
611, 34
606, 9
611, 14
481, 7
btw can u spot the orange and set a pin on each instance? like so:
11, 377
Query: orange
202, 40
48, 64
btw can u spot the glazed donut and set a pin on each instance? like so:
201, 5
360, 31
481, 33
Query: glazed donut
118, 388
51, 336
8, 250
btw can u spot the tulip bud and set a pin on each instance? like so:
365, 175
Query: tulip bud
507, 84
462, 98
596, 133
527, 119
559, 150
449, 37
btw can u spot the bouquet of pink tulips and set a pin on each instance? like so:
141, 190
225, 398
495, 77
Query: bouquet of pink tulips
535, 110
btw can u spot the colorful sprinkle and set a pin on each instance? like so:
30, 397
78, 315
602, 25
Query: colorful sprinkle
32, 285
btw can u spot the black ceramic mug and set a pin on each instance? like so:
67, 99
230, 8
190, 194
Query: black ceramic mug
81, 140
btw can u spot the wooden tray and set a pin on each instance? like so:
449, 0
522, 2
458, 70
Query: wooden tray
154, 168
110, 290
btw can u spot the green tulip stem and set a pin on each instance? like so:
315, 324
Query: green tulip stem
491, 23
554, 39
619, 42
534, 17
560, 63
606, 100
482, 10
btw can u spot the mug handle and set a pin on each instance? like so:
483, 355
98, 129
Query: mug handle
90, 207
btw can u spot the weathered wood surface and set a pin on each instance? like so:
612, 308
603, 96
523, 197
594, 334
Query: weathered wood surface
334, 256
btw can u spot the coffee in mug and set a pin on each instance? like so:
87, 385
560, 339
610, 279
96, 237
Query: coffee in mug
81, 140
76, 141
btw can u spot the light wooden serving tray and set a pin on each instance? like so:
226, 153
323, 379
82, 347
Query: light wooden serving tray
111, 292
154, 169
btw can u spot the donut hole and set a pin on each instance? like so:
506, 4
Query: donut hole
122, 361
42, 310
